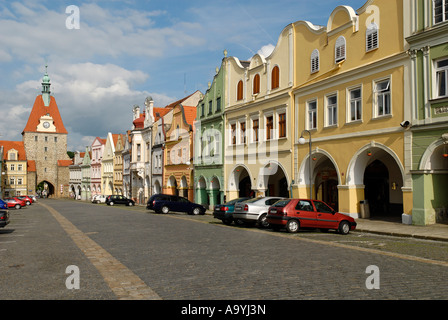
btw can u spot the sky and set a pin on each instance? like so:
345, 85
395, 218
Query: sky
106, 56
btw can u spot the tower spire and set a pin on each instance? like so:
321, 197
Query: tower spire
46, 87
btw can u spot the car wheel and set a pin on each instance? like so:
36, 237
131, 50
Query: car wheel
111, 203
165, 209
196, 211
263, 222
344, 227
98, 201
18, 206
227, 221
292, 226
130, 204
28, 203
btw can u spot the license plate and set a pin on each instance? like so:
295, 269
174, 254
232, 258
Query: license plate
273, 211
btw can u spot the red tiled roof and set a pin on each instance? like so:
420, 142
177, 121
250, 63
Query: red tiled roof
39, 110
65, 163
139, 123
16, 145
161, 111
190, 114
31, 166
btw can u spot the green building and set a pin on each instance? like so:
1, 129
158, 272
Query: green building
209, 142
429, 100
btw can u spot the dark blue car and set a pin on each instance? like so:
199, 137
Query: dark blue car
3, 205
224, 212
4, 214
165, 203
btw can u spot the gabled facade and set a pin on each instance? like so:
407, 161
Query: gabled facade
14, 168
97, 148
178, 153
86, 171
76, 175
429, 101
258, 113
107, 164
209, 179
127, 153
118, 165
351, 95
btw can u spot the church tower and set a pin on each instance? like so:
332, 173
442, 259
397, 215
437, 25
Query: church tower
45, 141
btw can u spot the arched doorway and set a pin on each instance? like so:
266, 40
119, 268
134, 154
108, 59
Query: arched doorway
379, 170
45, 189
184, 187
201, 192
273, 178
326, 182
172, 186
239, 183
376, 191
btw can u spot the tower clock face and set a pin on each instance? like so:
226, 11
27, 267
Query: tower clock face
46, 124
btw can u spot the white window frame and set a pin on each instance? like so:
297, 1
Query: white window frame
315, 61
240, 139
331, 110
380, 96
340, 50
443, 71
308, 126
372, 37
273, 135
358, 103
230, 143
251, 131
444, 6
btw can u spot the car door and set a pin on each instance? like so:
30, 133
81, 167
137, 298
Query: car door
325, 216
304, 211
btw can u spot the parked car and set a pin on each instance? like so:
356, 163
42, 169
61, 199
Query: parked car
99, 198
33, 197
112, 200
4, 217
224, 212
27, 199
15, 203
3, 205
254, 211
165, 203
294, 214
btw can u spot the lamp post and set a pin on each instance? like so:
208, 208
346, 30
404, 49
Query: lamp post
302, 141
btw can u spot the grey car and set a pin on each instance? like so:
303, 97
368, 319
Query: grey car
254, 211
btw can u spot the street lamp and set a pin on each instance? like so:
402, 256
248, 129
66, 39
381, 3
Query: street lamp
302, 141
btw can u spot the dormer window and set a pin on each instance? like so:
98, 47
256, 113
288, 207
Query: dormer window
340, 52
372, 37
315, 61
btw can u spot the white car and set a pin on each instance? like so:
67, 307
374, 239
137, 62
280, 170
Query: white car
99, 198
255, 210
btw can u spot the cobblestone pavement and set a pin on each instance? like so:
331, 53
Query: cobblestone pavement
177, 257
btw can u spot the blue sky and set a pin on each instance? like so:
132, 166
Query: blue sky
127, 50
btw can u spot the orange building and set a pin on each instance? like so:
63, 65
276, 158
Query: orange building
178, 175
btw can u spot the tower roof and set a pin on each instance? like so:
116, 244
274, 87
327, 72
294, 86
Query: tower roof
39, 110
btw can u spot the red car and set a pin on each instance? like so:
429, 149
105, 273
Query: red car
294, 214
27, 199
15, 203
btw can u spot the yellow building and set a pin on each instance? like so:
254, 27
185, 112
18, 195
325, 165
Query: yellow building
351, 98
258, 128
15, 180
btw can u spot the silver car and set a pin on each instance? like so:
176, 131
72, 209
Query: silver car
255, 210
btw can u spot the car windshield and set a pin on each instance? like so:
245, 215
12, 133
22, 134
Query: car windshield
281, 203
237, 200
252, 200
